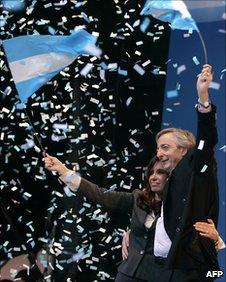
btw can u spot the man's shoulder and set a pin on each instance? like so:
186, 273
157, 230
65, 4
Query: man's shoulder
186, 161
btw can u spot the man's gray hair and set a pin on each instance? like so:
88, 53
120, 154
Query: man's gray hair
184, 138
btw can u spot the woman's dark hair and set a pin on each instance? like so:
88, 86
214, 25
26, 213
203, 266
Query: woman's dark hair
146, 200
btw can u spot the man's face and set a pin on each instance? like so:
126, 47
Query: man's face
168, 151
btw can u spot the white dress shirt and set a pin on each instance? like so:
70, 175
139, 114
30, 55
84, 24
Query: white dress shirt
162, 242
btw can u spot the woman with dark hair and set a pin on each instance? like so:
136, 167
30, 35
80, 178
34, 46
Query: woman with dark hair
144, 205
136, 268
150, 197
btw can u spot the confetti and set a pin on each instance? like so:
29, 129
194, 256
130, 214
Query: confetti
223, 148
139, 69
201, 144
144, 25
214, 85
172, 93
86, 69
180, 69
204, 168
196, 61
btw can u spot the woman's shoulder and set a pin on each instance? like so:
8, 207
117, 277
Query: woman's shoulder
137, 192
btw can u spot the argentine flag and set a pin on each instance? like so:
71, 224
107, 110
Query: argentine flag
35, 59
173, 11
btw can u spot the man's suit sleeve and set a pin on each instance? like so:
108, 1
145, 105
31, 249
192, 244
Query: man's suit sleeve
206, 140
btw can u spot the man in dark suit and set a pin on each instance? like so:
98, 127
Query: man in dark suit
191, 193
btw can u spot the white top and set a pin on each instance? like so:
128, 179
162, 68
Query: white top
162, 242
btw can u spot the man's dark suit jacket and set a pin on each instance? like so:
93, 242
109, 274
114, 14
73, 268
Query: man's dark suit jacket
191, 195
141, 238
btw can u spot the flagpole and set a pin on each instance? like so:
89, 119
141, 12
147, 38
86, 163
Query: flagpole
34, 132
204, 46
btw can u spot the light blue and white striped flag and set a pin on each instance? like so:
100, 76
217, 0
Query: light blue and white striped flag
173, 11
35, 59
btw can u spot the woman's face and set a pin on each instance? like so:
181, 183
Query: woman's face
157, 178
